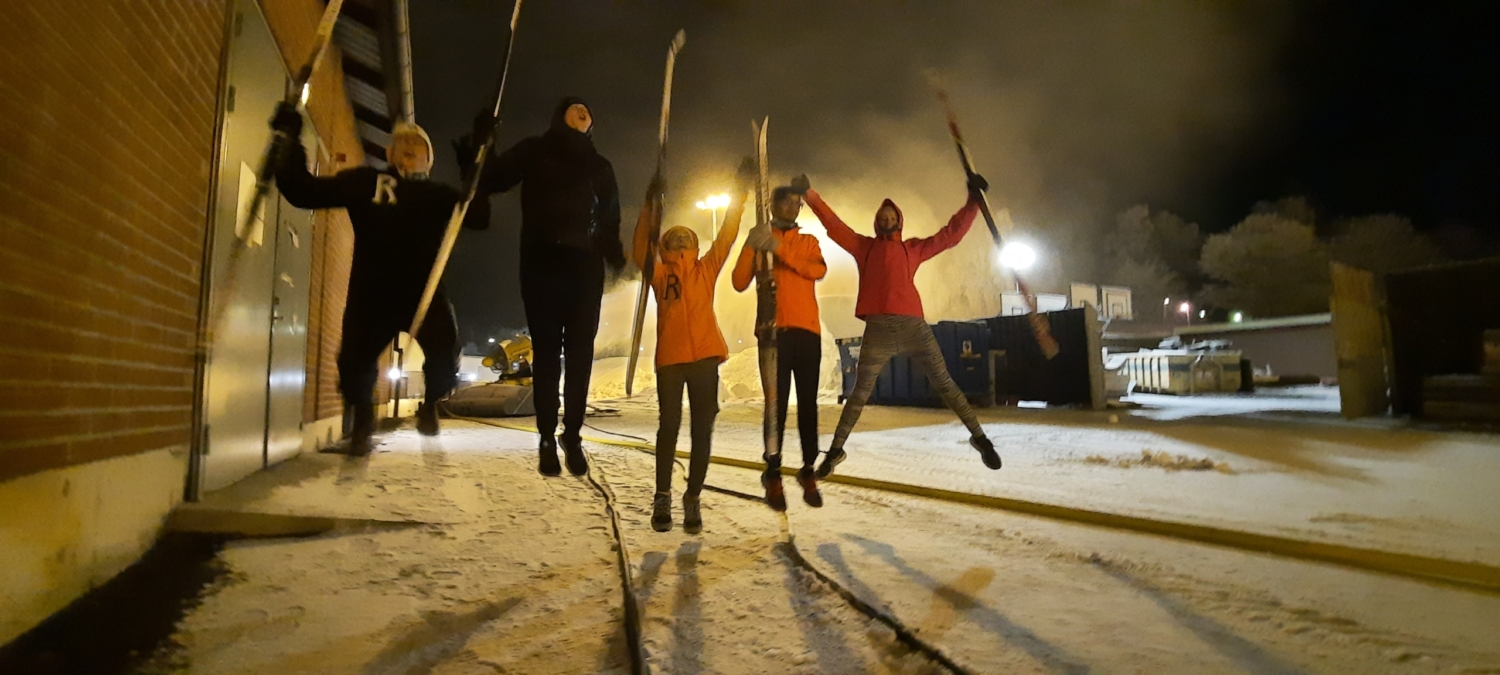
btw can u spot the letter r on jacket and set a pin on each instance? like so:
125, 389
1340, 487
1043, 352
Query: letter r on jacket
385, 189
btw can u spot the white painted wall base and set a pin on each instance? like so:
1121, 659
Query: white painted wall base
64, 532
322, 433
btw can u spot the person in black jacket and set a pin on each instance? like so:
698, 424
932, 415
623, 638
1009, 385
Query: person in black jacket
570, 228
399, 220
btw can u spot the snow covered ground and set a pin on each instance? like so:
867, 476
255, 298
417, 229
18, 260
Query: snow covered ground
514, 573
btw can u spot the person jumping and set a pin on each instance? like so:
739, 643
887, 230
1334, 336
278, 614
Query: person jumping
399, 219
689, 344
799, 346
892, 310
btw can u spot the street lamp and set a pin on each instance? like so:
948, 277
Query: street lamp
713, 203
1186, 309
1017, 256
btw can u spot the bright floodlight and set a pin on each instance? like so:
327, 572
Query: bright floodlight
302, 98
718, 201
702, 206
1184, 308
1017, 256
492, 340
394, 374
1202, 313
1238, 317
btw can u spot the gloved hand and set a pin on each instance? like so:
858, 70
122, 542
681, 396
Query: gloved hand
801, 185
977, 183
467, 152
762, 239
614, 256
483, 127
746, 176
287, 120
657, 186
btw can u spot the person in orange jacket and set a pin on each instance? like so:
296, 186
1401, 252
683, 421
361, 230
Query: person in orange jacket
892, 311
689, 345
799, 345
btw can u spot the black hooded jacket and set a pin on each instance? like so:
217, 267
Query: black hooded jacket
569, 197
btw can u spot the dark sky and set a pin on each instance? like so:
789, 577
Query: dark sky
1075, 111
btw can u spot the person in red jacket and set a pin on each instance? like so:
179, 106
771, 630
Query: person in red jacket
892, 311
689, 345
799, 345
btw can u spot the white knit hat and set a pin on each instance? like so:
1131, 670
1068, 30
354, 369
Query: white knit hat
412, 128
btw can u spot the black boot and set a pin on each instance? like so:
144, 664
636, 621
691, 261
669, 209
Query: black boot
692, 517
578, 464
548, 466
771, 481
986, 450
360, 443
809, 483
835, 457
427, 419
661, 512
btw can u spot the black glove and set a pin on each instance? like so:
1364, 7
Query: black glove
484, 126
657, 186
467, 152
287, 120
977, 183
614, 256
746, 175
801, 185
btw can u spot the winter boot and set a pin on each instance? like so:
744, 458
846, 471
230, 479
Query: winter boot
360, 437
692, 519
775, 495
549, 466
809, 483
835, 457
986, 450
578, 464
661, 512
427, 418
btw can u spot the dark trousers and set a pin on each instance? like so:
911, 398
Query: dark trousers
562, 289
370, 325
799, 353
702, 380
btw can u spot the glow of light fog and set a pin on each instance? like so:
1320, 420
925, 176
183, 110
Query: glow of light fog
492, 340
1017, 256
717, 201
306, 90
1185, 308
394, 374
1238, 317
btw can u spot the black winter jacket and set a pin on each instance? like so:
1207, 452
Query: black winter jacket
569, 197
398, 226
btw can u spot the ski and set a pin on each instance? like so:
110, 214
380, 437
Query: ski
455, 222
273, 156
649, 269
765, 298
1040, 327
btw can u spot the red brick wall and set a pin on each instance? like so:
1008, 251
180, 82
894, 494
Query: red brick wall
107, 115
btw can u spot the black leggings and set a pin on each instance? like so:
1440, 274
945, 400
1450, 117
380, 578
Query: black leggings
702, 380
799, 352
369, 326
562, 289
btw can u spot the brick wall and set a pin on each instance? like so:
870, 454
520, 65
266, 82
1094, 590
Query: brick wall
107, 114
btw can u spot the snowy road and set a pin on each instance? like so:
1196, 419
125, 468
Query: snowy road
515, 574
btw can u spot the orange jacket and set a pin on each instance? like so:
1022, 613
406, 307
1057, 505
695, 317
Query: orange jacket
686, 328
799, 263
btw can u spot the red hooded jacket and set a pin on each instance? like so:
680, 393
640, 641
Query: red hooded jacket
888, 267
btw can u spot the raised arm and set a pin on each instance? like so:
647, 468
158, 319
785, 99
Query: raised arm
641, 245
302, 189
719, 252
841, 234
950, 235
744, 269
503, 171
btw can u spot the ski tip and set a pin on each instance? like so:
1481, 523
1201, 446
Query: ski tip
515, 16
679, 40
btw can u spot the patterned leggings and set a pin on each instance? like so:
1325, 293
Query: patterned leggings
887, 335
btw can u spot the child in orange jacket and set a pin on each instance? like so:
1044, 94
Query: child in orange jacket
689, 345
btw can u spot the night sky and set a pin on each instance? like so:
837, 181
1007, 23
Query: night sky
1075, 111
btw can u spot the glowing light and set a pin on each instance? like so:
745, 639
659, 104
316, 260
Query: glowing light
1202, 313
1238, 317
492, 340
702, 206
1166, 301
306, 91
1017, 256
717, 201
394, 374
1185, 308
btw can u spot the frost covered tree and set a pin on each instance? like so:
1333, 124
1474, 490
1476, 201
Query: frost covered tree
1153, 254
1267, 265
